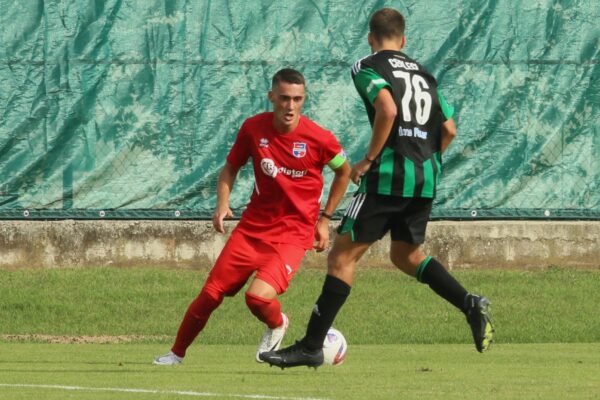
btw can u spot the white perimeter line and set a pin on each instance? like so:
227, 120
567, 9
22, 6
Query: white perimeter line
152, 391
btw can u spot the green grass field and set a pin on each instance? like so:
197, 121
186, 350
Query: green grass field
523, 371
404, 342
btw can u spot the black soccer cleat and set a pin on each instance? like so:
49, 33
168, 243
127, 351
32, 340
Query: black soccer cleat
479, 318
295, 355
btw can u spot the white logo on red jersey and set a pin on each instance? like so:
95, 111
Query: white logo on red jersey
268, 167
264, 142
288, 269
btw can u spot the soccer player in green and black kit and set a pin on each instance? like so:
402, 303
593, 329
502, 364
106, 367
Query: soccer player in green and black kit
412, 125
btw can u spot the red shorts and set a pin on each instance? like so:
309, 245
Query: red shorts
274, 263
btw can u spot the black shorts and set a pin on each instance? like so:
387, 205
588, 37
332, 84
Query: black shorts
370, 216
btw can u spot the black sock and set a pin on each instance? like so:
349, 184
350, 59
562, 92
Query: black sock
334, 294
431, 272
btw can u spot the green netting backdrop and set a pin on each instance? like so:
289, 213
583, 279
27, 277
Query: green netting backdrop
127, 108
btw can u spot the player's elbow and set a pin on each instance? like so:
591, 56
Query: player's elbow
385, 107
227, 175
448, 136
449, 129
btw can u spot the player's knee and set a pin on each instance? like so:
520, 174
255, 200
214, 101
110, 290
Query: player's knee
256, 303
342, 269
205, 303
336, 262
213, 293
407, 263
337, 269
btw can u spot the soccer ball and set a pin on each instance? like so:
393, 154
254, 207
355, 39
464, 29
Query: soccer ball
334, 347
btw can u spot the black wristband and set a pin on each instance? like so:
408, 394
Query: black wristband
325, 215
368, 159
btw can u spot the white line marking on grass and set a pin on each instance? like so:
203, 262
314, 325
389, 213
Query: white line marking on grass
153, 391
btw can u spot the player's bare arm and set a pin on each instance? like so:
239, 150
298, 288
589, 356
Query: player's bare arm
385, 113
224, 187
336, 193
448, 133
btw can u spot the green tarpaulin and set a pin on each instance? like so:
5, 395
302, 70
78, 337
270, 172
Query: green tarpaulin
127, 109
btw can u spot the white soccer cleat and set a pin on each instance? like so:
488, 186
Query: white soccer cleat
272, 338
168, 359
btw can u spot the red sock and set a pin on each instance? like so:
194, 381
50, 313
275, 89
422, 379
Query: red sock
194, 320
266, 310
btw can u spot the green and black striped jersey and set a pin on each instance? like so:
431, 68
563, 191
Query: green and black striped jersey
410, 163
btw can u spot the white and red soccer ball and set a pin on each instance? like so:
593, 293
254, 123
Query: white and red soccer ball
334, 347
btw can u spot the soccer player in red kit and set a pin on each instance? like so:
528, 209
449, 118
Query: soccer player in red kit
281, 221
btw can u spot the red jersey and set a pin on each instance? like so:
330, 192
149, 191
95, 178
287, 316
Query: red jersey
286, 200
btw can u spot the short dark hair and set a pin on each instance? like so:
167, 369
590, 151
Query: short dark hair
387, 23
287, 75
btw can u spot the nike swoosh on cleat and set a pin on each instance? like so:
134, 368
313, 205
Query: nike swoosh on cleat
275, 345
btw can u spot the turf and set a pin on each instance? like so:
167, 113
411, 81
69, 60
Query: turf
404, 342
385, 307
523, 371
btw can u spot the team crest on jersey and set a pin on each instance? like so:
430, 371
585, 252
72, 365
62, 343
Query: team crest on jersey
264, 142
299, 149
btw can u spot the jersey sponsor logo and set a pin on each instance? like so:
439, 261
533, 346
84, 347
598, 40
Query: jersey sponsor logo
294, 173
415, 132
299, 149
409, 66
264, 142
269, 168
